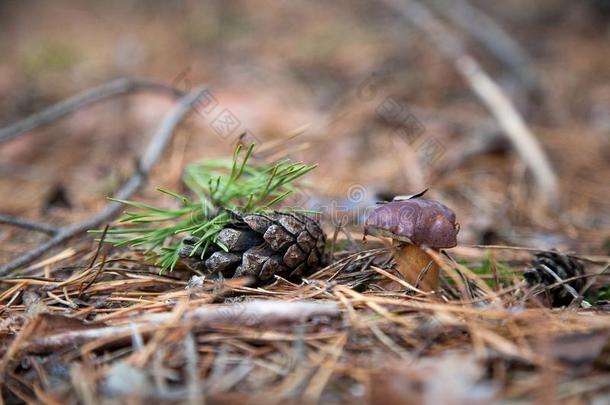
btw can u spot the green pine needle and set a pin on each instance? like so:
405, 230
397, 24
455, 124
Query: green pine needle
218, 186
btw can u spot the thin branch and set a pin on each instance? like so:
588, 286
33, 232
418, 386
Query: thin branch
28, 224
490, 94
249, 313
493, 37
588, 258
111, 89
152, 153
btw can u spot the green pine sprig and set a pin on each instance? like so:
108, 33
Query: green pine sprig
218, 187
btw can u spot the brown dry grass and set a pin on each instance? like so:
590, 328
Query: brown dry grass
116, 329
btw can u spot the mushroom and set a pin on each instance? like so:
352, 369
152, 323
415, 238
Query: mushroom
412, 224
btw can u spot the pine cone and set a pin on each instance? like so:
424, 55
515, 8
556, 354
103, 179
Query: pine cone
564, 266
261, 246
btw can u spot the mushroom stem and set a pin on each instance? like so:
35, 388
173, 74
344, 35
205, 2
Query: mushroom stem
416, 266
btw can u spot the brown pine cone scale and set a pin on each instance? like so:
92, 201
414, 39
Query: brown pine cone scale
261, 246
549, 268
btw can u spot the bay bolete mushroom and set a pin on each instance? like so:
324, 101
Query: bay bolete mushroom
412, 224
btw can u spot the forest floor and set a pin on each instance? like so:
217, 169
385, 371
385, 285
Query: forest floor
330, 84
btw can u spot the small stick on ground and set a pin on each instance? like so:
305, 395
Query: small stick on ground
490, 94
151, 155
28, 224
492, 37
250, 313
107, 90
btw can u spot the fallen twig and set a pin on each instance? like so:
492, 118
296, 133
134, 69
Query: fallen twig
248, 313
28, 224
91, 96
152, 153
589, 258
492, 96
493, 37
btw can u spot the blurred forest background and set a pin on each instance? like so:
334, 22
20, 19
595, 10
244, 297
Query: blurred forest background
321, 70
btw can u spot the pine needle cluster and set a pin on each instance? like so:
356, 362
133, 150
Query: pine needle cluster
216, 189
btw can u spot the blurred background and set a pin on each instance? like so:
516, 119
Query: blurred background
350, 85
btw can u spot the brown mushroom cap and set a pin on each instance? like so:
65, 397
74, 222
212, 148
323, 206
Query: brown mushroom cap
417, 221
